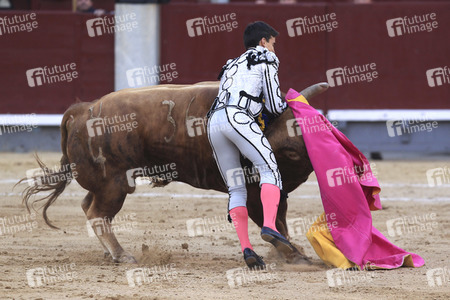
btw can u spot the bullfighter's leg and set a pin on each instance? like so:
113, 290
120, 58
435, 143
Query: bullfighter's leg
85, 206
255, 210
229, 166
105, 205
252, 143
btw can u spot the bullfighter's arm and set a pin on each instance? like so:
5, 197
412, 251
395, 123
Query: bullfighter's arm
275, 103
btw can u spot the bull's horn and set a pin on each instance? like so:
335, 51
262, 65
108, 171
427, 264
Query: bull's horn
315, 90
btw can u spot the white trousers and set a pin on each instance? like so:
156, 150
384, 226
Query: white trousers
232, 131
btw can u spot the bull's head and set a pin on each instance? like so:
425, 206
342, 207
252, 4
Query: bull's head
288, 145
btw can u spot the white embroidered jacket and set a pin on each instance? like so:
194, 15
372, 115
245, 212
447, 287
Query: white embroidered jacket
251, 76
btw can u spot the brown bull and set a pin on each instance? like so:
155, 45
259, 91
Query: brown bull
110, 138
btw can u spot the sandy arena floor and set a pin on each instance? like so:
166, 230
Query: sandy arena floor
153, 226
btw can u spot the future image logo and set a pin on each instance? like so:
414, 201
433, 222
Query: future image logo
18, 23
310, 25
140, 276
241, 176
438, 176
208, 225
108, 125
411, 224
244, 276
402, 126
438, 76
111, 24
339, 277
293, 128
409, 25
438, 277
145, 76
51, 74
208, 25
354, 74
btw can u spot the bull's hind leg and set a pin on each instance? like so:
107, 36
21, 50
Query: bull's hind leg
85, 206
104, 206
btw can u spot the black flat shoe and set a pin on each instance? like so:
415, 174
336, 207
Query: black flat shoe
253, 260
276, 239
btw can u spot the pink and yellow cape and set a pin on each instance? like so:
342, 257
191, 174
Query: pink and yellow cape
349, 193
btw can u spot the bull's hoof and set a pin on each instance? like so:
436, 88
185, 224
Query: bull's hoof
106, 254
297, 258
126, 258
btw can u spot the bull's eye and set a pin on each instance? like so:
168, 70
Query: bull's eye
291, 154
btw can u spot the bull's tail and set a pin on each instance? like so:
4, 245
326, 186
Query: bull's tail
54, 181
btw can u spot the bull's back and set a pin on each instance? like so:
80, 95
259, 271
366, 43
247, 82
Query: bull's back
153, 126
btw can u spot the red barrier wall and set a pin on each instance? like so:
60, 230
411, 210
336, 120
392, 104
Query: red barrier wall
60, 38
361, 38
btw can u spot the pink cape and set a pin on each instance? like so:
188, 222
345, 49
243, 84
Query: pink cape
349, 190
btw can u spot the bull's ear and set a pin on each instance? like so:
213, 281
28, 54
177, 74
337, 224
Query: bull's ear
291, 154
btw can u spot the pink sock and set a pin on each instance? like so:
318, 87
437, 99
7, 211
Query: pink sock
239, 215
270, 198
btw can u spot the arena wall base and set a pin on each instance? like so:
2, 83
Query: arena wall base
372, 131
44, 138
396, 134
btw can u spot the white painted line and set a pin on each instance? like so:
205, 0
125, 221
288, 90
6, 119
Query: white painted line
309, 183
224, 196
31, 119
379, 115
